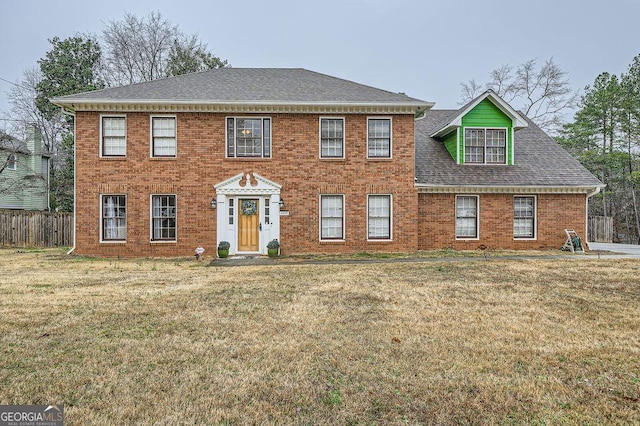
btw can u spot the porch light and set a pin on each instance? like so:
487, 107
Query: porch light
214, 203
281, 203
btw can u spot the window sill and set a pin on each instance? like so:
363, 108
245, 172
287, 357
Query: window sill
119, 242
114, 158
163, 242
163, 158
244, 159
381, 241
338, 159
525, 239
380, 159
467, 239
337, 242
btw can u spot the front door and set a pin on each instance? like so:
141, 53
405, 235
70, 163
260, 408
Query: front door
249, 225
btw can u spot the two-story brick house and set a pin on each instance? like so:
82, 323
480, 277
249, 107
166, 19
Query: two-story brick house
319, 163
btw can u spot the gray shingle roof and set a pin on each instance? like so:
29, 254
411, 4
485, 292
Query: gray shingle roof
11, 144
539, 161
237, 85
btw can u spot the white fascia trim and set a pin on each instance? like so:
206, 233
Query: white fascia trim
517, 121
244, 106
520, 189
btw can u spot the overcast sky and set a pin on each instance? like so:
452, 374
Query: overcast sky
423, 48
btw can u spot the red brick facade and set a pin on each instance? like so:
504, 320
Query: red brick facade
555, 212
200, 164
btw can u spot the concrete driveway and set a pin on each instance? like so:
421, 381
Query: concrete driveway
630, 249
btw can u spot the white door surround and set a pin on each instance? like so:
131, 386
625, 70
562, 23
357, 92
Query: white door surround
230, 192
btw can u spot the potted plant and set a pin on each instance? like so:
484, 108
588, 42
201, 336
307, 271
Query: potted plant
272, 248
223, 249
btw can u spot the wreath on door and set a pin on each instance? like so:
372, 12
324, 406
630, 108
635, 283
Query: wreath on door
249, 207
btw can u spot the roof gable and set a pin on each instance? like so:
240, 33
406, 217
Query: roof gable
456, 121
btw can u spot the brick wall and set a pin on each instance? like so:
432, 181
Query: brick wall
201, 163
436, 228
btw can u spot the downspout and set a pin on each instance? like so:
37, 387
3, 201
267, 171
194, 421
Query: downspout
72, 114
586, 215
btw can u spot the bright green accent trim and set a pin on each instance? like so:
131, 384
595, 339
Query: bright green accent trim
487, 115
450, 143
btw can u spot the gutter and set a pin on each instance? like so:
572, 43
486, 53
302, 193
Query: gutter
72, 114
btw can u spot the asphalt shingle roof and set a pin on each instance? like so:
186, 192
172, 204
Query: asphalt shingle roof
255, 85
539, 160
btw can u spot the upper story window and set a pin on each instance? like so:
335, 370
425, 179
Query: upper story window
12, 162
114, 137
248, 137
467, 217
331, 137
485, 146
379, 138
163, 136
114, 217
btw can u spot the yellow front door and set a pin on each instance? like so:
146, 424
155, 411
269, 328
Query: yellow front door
248, 225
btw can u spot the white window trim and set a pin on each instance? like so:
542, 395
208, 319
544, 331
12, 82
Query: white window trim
535, 217
506, 146
151, 240
390, 218
235, 141
390, 137
344, 137
102, 117
101, 218
455, 218
151, 117
12, 165
344, 217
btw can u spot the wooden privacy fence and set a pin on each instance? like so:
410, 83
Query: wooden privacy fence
600, 229
20, 228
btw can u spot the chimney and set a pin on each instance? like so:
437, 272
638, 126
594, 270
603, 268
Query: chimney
33, 139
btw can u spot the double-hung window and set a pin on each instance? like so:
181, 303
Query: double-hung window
485, 146
163, 226
12, 162
163, 136
331, 137
248, 137
379, 217
467, 216
331, 217
114, 137
114, 218
379, 138
524, 216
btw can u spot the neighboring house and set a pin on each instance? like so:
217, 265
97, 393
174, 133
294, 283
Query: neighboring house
322, 164
24, 179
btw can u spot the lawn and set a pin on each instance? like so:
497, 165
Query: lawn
151, 341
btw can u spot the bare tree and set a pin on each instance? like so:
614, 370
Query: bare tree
24, 110
544, 94
137, 49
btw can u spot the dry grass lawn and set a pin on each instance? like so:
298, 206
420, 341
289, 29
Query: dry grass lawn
179, 342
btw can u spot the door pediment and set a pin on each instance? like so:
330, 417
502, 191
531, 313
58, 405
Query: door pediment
247, 183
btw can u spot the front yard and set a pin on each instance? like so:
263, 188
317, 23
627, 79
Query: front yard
178, 342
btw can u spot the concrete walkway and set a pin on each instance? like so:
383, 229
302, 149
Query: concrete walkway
628, 249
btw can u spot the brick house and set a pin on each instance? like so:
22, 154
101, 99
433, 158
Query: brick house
321, 164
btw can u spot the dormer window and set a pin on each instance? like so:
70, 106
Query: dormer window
485, 146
